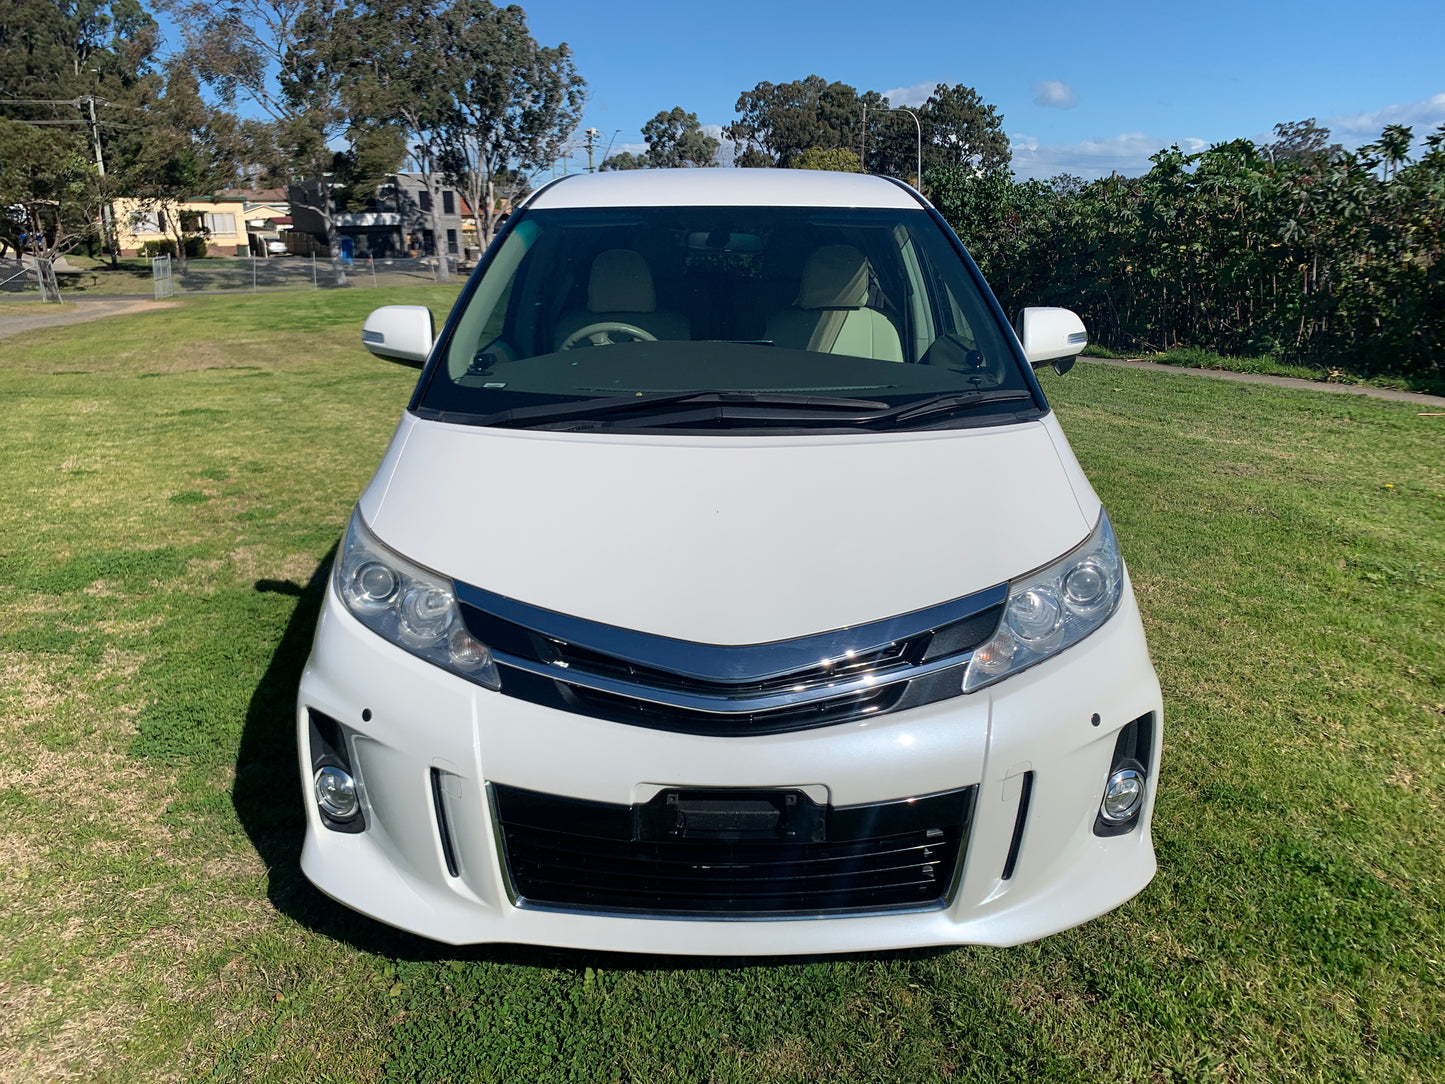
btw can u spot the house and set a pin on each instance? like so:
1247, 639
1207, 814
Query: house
267, 213
234, 222
396, 221
222, 223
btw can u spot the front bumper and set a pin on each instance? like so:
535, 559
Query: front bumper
408, 719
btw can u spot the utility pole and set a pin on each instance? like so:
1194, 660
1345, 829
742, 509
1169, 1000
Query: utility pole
863, 154
592, 135
106, 212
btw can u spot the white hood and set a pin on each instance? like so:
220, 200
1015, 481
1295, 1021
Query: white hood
730, 540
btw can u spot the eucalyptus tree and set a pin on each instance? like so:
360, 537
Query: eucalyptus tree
623, 160
48, 195
777, 122
78, 66
186, 148
961, 129
399, 79
1301, 141
515, 103
675, 138
287, 58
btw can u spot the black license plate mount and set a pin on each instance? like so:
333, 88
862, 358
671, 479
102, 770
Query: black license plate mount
785, 816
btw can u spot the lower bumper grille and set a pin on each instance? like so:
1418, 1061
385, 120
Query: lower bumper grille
580, 855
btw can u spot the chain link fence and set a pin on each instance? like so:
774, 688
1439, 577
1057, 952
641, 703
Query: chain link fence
237, 274
162, 284
23, 279
254, 274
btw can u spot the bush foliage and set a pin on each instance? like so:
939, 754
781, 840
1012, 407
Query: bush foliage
1327, 259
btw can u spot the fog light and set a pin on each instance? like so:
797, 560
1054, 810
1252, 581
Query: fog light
1123, 795
336, 793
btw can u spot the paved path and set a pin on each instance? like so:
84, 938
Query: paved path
1436, 401
74, 312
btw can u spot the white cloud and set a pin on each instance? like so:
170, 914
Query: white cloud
1128, 153
915, 95
1052, 94
1423, 116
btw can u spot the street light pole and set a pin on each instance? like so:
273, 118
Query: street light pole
911, 113
916, 124
592, 135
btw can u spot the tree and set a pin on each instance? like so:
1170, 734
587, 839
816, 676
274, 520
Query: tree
778, 122
184, 152
838, 159
55, 50
399, 81
676, 139
89, 59
289, 59
958, 129
48, 191
623, 160
961, 129
1394, 146
1302, 141
516, 103
374, 152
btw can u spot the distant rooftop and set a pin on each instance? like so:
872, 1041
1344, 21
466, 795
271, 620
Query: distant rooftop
254, 195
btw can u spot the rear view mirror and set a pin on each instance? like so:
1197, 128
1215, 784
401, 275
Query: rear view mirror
1051, 335
399, 332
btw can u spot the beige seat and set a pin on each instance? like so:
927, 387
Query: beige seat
831, 315
619, 291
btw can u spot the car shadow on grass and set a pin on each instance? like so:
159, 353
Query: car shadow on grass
268, 801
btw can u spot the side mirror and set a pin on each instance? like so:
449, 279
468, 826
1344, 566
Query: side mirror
1051, 335
399, 332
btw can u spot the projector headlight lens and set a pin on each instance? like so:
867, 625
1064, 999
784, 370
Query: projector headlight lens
1053, 608
409, 605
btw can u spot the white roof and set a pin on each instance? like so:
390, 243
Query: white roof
723, 187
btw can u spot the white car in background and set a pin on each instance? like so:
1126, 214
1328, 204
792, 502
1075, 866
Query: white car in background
729, 587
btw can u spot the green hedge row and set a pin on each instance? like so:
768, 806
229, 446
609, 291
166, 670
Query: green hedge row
1329, 259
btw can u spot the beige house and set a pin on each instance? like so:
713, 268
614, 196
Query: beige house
222, 220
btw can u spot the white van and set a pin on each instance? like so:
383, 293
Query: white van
729, 587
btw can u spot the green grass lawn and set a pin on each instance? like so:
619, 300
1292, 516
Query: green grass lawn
174, 484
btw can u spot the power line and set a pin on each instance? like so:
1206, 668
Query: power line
46, 101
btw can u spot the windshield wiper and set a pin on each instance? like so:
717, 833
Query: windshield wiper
951, 403
628, 404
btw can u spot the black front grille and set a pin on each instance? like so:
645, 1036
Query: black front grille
581, 855
883, 661
626, 709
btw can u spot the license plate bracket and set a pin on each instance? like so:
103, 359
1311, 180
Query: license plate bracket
731, 815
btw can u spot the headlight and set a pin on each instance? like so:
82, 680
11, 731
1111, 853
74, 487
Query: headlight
1052, 608
404, 603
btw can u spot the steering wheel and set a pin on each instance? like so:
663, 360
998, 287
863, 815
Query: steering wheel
600, 334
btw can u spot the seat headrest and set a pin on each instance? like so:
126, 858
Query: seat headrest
835, 277
620, 282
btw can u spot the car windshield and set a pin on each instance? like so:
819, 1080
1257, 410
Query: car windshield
726, 318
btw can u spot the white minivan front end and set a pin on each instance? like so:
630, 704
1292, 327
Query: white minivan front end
729, 588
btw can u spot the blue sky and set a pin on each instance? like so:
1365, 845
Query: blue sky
1083, 88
